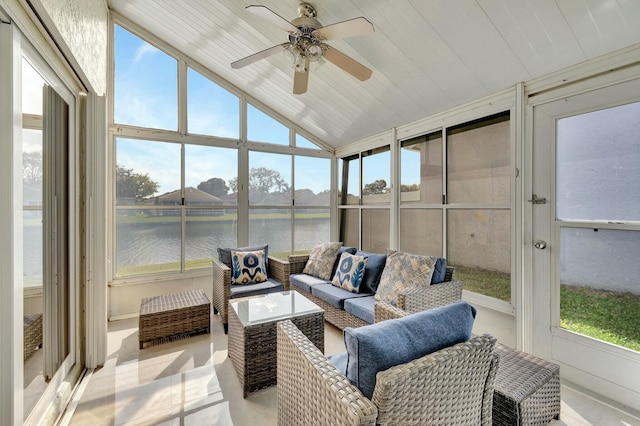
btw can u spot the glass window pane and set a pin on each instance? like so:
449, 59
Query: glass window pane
350, 227
32, 248
269, 179
273, 227
32, 84
421, 170
478, 162
600, 292
205, 231
312, 226
349, 178
598, 157
312, 181
146, 169
421, 231
146, 84
376, 176
147, 241
303, 142
262, 128
32, 167
210, 175
211, 109
479, 244
375, 230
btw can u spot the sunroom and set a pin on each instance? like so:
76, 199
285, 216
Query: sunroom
501, 136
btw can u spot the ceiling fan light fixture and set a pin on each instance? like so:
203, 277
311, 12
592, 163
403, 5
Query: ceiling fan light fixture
313, 52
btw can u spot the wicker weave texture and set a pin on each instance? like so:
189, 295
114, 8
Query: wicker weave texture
311, 391
173, 315
32, 334
253, 349
527, 390
453, 386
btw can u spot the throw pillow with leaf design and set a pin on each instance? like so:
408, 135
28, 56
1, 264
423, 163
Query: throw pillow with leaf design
350, 272
248, 267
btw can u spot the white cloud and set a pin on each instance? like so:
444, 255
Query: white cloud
144, 49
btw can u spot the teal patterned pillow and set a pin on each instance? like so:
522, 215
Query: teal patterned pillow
402, 272
321, 260
248, 267
350, 272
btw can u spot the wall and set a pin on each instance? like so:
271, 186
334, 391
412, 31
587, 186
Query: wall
83, 25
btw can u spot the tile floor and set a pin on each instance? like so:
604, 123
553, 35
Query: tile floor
192, 382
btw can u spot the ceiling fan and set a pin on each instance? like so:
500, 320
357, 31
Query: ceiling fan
307, 43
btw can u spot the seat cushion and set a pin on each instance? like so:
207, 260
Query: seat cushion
380, 346
372, 271
439, 270
361, 307
245, 290
333, 295
305, 282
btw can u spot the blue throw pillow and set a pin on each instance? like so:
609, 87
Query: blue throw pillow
439, 270
372, 271
350, 272
382, 345
350, 250
224, 254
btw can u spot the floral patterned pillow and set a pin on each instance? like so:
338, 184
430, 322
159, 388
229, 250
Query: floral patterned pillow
350, 272
321, 260
248, 267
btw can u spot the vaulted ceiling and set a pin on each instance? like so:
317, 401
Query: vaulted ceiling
426, 55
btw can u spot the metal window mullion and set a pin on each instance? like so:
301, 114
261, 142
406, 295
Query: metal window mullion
445, 195
183, 212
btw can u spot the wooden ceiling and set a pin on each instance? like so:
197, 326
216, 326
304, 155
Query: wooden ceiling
426, 55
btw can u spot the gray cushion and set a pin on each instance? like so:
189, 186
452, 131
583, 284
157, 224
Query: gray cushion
245, 290
439, 270
372, 271
380, 346
305, 282
224, 254
335, 296
361, 307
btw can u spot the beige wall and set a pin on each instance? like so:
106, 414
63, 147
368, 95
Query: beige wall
83, 25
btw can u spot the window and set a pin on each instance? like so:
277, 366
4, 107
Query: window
211, 109
146, 84
262, 128
478, 201
303, 142
376, 175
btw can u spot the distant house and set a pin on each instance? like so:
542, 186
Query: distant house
192, 197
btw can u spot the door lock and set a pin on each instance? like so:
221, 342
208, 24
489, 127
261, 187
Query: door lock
541, 245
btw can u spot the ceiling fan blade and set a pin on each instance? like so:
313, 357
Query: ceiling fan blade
269, 15
260, 55
349, 65
350, 28
301, 80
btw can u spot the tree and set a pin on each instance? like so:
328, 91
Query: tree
263, 180
410, 188
376, 187
134, 185
32, 167
214, 186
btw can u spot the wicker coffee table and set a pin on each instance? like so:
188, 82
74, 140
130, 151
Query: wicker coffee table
252, 333
171, 315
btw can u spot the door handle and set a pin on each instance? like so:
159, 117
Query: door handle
541, 245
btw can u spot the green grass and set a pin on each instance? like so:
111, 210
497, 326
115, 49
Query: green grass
605, 315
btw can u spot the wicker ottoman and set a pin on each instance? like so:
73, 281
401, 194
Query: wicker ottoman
527, 389
32, 329
171, 315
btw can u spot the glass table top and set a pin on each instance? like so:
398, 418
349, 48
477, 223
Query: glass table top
272, 307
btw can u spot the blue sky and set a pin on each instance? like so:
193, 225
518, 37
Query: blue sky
146, 96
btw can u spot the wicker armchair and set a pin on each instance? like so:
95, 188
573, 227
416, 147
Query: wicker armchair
278, 270
453, 386
412, 301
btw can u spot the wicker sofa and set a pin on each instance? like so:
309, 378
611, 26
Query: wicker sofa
452, 386
338, 312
